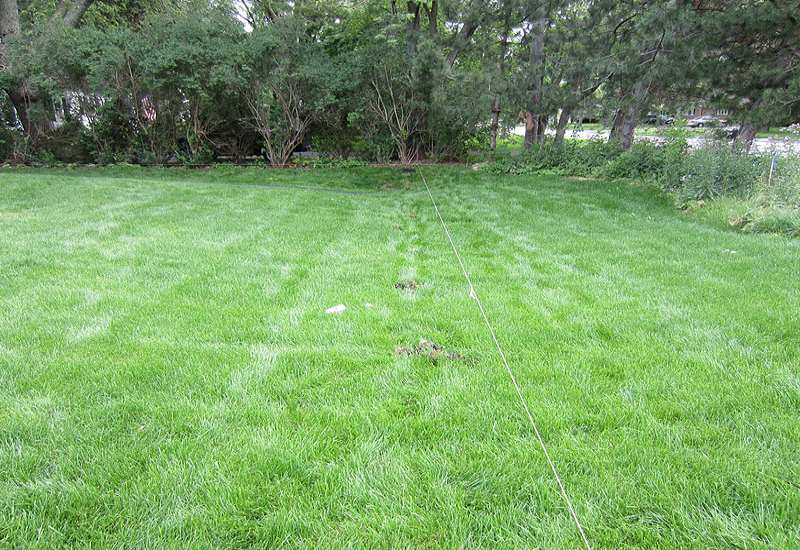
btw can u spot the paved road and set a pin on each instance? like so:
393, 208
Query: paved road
781, 146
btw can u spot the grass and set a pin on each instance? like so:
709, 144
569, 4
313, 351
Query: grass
169, 377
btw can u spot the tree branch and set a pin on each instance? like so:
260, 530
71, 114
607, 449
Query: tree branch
461, 41
70, 12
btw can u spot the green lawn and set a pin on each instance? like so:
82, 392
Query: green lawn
169, 376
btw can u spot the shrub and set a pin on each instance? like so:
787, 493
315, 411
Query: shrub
783, 190
9, 139
770, 220
675, 151
457, 109
572, 158
590, 157
332, 162
775, 207
643, 160
292, 85
44, 157
63, 144
715, 171
547, 156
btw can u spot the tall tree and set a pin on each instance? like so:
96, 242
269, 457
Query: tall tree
500, 71
535, 116
750, 60
639, 34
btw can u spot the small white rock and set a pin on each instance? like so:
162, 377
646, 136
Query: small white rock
336, 309
368, 305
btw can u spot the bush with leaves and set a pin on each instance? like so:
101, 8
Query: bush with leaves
184, 81
170, 87
458, 114
12, 143
574, 158
775, 206
715, 171
292, 83
643, 160
396, 101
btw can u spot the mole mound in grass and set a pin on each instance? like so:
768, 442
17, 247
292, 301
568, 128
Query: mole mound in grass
429, 349
409, 284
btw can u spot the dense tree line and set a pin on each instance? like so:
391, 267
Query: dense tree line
147, 81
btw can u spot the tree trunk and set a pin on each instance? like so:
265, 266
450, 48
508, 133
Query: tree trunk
531, 129
543, 119
17, 91
561, 126
629, 125
433, 16
533, 118
495, 121
9, 30
616, 126
21, 104
9, 25
627, 116
747, 133
413, 26
70, 13
501, 66
748, 130
461, 41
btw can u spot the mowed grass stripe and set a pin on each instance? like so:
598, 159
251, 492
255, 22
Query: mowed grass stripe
474, 294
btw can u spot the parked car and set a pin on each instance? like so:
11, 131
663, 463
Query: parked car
704, 121
658, 119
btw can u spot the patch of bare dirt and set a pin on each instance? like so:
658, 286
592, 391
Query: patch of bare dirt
409, 285
429, 349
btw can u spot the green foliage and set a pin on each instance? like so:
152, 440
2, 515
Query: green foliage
172, 87
574, 158
292, 83
332, 163
692, 177
589, 158
675, 150
765, 219
65, 144
201, 154
9, 139
111, 137
643, 160
701, 174
715, 171
458, 108
775, 207
45, 157
783, 189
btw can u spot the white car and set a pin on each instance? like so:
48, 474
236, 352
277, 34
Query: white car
703, 121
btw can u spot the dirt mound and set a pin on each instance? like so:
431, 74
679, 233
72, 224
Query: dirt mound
410, 285
429, 349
